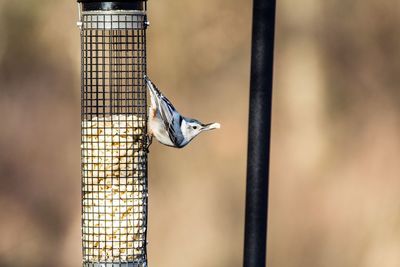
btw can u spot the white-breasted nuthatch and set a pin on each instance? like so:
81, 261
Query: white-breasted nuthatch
167, 125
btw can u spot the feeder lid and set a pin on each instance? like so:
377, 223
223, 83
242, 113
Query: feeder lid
117, 1
90, 5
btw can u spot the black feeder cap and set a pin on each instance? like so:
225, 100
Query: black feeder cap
92, 5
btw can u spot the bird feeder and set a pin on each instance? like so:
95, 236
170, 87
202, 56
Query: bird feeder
113, 133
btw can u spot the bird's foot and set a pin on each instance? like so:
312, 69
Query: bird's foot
149, 140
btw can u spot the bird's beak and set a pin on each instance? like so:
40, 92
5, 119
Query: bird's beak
211, 126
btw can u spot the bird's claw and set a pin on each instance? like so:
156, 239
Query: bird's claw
149, 140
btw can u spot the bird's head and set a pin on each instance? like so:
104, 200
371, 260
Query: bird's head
191, 128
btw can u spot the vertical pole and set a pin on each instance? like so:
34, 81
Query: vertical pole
259, 133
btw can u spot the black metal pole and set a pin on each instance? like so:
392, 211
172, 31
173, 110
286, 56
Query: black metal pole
255, 240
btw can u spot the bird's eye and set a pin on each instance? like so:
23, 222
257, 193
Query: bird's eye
195, 127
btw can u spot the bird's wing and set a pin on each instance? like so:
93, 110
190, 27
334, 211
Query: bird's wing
174, 130
172, 120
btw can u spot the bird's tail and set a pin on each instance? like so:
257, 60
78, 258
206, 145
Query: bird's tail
152, 87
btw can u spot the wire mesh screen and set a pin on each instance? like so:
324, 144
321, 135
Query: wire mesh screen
113, 144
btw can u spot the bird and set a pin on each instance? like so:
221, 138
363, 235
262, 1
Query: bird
167, 125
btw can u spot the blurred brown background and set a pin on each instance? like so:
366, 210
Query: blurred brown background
335, 187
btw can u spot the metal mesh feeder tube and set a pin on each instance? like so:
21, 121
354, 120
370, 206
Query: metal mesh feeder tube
113, 133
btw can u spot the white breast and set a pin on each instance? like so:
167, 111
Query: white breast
159, 131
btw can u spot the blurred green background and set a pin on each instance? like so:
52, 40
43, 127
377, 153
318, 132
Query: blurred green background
335, 170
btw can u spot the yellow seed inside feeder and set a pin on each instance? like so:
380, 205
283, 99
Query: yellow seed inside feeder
113, 170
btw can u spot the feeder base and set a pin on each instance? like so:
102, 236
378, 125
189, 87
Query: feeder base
114, 264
